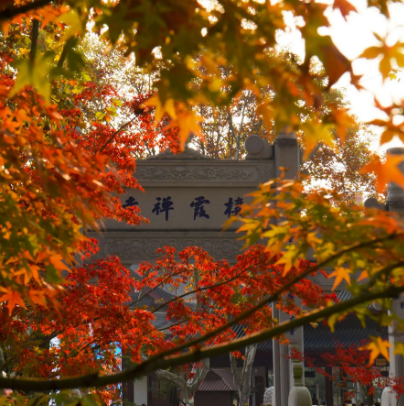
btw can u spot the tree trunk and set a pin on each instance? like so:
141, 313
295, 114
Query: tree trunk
242, 379
187, 387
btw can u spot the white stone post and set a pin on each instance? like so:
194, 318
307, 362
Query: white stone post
395, 203
287, 156
396, 369
277, 394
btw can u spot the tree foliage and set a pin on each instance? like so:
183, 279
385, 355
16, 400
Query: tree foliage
66, 155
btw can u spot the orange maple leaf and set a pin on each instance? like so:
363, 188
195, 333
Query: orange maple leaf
188, 123
376, 347
385, 172
344, 6
57, 262
13, 298
341, 274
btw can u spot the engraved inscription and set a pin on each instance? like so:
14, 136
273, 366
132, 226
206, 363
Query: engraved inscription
183, 173
132, 248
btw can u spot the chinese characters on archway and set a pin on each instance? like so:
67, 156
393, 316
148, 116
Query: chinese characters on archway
200, 206
131, 202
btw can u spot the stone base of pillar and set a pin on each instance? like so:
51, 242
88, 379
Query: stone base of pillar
299, 396
388, 397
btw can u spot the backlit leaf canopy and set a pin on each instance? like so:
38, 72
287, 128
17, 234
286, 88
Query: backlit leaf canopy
210, 51
66, 154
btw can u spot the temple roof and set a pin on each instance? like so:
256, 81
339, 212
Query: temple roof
347, 332
218, 380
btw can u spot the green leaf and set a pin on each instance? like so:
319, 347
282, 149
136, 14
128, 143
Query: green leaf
64, 398
72, 20
332, 320
75, 60
91, 400
34, 74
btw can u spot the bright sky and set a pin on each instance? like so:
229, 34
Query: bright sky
352, 37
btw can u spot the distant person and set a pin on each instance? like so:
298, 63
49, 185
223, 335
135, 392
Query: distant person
314, 400
323, 402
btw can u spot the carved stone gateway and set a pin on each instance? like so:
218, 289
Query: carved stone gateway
187, 199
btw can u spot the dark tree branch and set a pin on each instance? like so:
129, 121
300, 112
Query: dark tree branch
67, 47
116, 133
34, 38
154, 288
191, 292
167, 360
174, 357
9, 13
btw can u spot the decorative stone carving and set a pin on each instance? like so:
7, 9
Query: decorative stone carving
184, 173
188, 153
147, 247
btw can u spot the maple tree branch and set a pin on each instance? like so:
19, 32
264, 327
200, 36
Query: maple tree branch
34, 38
168, 360
384, 271
276, 295
155, 287
66, 48
199, 290
164, 328
116, 133
9, 13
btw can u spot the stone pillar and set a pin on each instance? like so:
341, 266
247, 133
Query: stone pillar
329, 398
287, 155
396, 369
284, 373
395, 194
291, 371
277, 395
299, 395
395, 203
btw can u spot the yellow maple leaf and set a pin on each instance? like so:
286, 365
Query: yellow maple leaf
377, 346
188, 123
289, 260
13, 298
315, 133
387, 171
340, 274
161, 109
